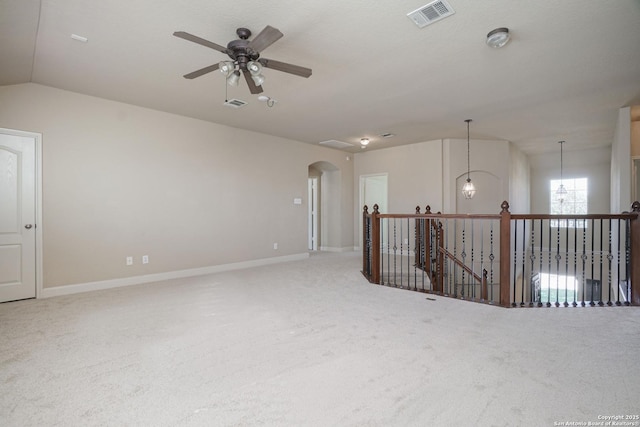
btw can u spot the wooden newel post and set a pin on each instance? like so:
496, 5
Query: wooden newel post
484, 291
375, 245
635, 255
365, 239
505, 254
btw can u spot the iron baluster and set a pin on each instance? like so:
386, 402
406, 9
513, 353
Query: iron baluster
575, 264
609, 258
566, 263
584, 258
558, 258
473, 270
593, 261
541, 246
618, 265
515, 245
549, 270
532, 292
395, 253
491, 256
600, 302
524, 252
463, 255
627, 250
455, 255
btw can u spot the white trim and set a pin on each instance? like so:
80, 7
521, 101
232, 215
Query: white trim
38, 184
157, 277
332, 249
635, 191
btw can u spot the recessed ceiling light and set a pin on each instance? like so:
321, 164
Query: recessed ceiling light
79, 38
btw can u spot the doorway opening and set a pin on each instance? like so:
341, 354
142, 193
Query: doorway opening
373, 191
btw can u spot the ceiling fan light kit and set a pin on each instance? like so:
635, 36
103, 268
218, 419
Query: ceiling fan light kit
226, 67
233, 78
245, 58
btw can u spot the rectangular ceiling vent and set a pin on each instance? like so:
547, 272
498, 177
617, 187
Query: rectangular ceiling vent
336, 144
235, 103
430, 13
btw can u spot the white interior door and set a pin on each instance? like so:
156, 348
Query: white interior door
17, 216
373, 191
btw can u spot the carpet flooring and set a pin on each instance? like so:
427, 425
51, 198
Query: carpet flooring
310, 343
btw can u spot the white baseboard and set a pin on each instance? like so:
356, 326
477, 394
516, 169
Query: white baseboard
332, 249
157, 277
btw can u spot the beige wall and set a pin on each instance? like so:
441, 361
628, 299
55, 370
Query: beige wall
490, 173
620, 174
593, 164
414, 175
120, 180
519, 182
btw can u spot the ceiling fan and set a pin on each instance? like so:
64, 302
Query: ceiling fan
245, 58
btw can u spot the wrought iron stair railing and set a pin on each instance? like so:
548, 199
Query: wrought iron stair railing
507, 259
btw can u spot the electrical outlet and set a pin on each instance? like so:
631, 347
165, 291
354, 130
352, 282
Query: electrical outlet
129, 260
145, 259
275, 246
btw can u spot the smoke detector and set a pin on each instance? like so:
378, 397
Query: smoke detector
430, 13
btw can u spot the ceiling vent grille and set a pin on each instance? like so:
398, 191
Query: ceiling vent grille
336, 144
430, 13
235, 103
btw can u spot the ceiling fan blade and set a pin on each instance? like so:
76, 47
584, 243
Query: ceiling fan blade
265, 39
253, 88
287, 68
202, 71
201, 41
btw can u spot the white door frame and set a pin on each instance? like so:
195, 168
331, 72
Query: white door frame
38, 202
313, 213
634, 179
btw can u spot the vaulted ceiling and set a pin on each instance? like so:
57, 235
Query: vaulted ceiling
568, 68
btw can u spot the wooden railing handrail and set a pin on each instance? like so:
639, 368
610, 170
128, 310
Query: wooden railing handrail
460, 264
441, 216
630, 215
505, 219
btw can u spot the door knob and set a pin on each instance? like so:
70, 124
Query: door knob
28, 226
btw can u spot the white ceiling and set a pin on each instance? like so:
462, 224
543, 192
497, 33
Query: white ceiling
569, 67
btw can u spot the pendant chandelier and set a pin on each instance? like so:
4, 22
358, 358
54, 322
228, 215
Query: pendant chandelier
468, 189
561, 192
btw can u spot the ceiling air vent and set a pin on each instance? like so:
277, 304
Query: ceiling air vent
336, 144
430, 13
235, 103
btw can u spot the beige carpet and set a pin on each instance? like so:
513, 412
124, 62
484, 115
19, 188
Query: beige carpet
309, 343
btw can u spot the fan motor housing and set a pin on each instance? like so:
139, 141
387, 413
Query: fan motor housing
239, 50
